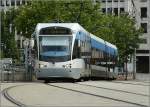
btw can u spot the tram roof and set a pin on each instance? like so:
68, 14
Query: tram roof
75, 27
103, 41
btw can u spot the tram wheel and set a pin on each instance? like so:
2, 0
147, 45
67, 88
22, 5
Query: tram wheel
46, 81
81, 80
74, 80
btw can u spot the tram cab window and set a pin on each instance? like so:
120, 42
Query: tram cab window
55, 31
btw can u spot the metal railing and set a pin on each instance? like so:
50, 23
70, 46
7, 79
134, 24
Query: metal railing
12, 73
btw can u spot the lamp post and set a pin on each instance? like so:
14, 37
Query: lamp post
26, 44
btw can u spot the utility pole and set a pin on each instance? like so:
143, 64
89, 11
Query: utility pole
134, 64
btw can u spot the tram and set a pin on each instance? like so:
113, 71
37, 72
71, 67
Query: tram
67, 50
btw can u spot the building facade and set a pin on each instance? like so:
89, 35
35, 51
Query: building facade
5, 5
140, 10
143, 20
116, 7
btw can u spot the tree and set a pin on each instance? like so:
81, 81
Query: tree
7, 35
82, 12
119, 30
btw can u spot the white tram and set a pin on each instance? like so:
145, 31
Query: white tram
67, 50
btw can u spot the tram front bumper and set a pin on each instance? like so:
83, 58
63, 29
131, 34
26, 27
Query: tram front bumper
49, 73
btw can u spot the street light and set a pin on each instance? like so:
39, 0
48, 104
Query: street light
26, 44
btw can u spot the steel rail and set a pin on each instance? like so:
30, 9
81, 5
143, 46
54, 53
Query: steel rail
10, 98
142, 81
129, 83
113, 89
99, 96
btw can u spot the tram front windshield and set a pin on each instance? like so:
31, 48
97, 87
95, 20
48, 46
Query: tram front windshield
54, 48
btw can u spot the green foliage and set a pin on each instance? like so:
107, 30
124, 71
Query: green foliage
1, 55
82, 12
121, 31
9, 47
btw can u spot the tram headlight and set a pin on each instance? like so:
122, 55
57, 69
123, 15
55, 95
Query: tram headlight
70, 65
67, 66
42, 65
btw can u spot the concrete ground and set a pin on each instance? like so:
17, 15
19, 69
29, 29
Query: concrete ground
39, 94
3, 101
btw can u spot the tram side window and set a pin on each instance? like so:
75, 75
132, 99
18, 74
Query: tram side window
105, 56
82, 46
101, 55
76, 50
94, 57
101, 58
93, 53
111, 57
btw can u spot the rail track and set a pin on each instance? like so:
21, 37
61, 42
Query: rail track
143, 81
130, 83
113, 89
100, 96
10, 98
20, 104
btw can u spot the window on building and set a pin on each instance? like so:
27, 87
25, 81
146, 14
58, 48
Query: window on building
12, 2
116, 11
115, 0
23, 1
144, 41
103, 1
143, 12
143, 0
2, 3
144, 26
121, 0
97, 1
28, 2
109, 10
109, 0
18, 2
122, 10
104, 10
142, 51
7, 3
